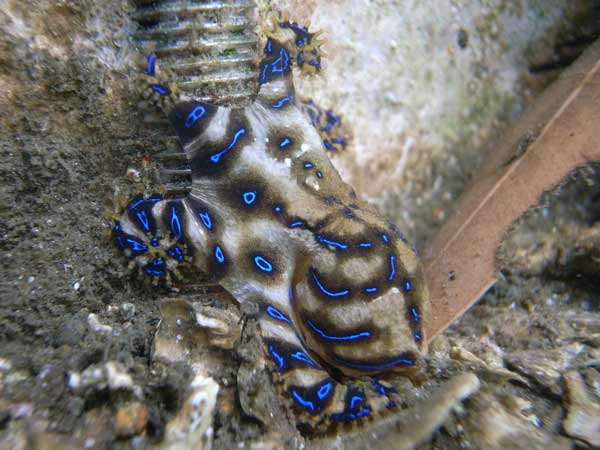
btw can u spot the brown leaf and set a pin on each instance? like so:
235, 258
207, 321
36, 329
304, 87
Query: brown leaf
559, 134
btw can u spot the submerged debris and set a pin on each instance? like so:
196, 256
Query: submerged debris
491, 425
545, 366
583, 413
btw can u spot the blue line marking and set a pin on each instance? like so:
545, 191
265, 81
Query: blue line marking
305, 403
392, 268
215, 158
195, 116
276, 314
263, 264
143, 218
281, 64
326, 241
206, 220
296, 224
303, 357
161, 90
136, 246
151, 62
352, 337
324, 391
414, 312
365, 245
385, 365
319, 174
154, 242
249, 197
371, 290
407, 286
277, 357
219, 255
417, 335
341, 293
175, 224
282, 101
137, 203
285, 142
385, 238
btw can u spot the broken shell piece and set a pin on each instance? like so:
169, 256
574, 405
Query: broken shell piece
192, 427
545, 366
583, 413
492, 426
491, 373
222, 325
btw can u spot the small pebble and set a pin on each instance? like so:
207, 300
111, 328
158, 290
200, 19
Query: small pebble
130, 420
127, 311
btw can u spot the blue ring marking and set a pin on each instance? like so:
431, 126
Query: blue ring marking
365, 245
407, 286
304, 403
143, 219
328, 145
285, 142
308, 165
356, 399
349, 214
150, 66
195, 115
319, 174
282, 101
206, 220
263, 73
341, 293
219, 256
326, 241
371, 290
137, 203
215, 158
414, 312
385, 238
176, 253
296, 224
161, 90
392, 267
249, 197
277, 357
303, 357
175, 224
263, 264
338, 140
276, 314
277, 209
324, 391
155, 242
352, 337
385, 365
